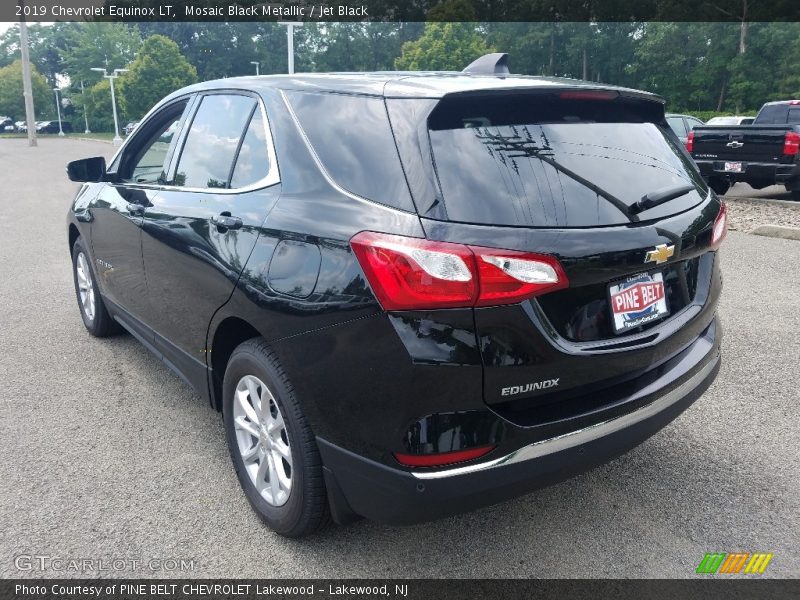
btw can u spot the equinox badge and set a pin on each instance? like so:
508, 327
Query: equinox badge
659, 254
521, 389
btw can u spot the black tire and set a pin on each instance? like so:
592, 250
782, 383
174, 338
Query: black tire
720, 186
100, 323
306, 509
795, 195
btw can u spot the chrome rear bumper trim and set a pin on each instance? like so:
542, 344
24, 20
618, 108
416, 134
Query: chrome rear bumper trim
581, 436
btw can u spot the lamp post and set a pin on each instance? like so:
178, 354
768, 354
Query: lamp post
30, 117
117, 140
255, 62
290, 25
85, 115
58, 108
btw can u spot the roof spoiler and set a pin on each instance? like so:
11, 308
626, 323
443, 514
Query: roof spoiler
489, 64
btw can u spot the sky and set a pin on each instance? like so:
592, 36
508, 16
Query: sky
5, 25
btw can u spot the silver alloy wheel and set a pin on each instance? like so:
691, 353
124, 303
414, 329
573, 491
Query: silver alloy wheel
85, 286
263, 440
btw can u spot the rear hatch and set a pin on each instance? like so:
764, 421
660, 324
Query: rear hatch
554, 173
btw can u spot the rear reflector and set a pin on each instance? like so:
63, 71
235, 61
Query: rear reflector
720, 228
791, 143
443, 459
690, 142
416, 274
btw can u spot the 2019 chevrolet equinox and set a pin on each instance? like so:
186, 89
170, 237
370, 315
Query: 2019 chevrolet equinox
409, 294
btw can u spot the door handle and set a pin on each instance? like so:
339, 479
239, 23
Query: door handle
135, 209
224, 221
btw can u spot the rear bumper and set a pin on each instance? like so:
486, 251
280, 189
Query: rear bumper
753, 171
358, 486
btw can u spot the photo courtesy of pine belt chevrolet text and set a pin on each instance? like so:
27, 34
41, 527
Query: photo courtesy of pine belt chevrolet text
409, 294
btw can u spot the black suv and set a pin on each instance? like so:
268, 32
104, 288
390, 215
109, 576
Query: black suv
409, 294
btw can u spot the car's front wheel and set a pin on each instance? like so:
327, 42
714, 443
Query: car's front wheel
271, 444
93, 310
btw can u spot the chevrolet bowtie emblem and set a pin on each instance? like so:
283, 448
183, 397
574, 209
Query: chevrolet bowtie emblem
659, 254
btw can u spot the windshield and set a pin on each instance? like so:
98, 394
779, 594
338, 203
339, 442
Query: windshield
569, 170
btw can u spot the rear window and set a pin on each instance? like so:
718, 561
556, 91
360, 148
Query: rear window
543, 161
772, 114
352, 137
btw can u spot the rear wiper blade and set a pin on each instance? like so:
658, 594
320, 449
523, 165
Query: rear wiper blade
661, 196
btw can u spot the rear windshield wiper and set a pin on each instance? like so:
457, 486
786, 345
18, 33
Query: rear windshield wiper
661, 196
526, 149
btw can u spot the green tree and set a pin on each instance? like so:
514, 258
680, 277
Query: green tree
443, 47
158, 70
12, 102
102, 45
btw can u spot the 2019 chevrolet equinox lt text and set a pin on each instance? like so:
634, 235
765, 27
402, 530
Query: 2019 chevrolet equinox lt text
409, 294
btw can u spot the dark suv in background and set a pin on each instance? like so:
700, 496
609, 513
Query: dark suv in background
409, 294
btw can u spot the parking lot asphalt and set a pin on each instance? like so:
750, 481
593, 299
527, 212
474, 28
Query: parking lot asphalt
107, 454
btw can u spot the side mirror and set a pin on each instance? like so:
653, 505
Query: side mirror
87, 169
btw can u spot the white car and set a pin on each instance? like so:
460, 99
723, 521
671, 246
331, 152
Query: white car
731, 120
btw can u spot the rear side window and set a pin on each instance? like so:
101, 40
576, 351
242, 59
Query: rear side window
352, 137
252, 163
213, 140
539, 160
677, 125
692, 123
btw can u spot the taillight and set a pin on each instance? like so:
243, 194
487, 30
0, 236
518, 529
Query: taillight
442, 459
720, 228
791, 143
690, 142
508, 277
415, 274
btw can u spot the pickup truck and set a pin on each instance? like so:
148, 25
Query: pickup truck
762, 154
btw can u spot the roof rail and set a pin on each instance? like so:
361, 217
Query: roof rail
489, 64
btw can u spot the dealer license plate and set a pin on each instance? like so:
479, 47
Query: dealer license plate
733, 167
638, 300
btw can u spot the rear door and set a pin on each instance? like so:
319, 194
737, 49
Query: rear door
199, 231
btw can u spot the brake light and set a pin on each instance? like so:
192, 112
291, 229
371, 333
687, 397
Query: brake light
791, 143
720, 227
442, 459
415, 274
690, 142
588, 95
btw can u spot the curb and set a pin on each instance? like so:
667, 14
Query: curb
88, 139
767, 201
778, 231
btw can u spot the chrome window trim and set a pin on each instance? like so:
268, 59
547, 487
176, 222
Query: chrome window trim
581, 436
273, 176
